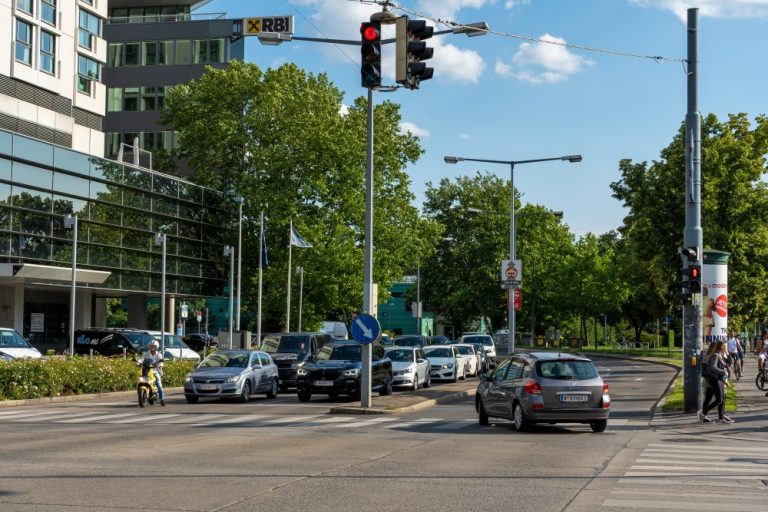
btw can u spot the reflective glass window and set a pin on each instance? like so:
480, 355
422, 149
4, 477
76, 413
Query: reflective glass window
216, 50
105, 256
24, 5
165, 53
5, 169
32, 175
200, 51
138, 178
114, 99
24, 42
183, 52
118, 15
90, 29
137, 240
47, 52
135, 260
149, 54
6, 143
136, 15
48, 11
33, 150
134, 281
66, 184
131, 99
106, 170
115, 55
73, 161
132, 54
165, 186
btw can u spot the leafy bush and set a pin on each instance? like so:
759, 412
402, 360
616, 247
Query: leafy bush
60, 376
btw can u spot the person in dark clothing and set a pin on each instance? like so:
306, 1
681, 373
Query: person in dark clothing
715, 381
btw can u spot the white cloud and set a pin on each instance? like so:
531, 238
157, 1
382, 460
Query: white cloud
405, 126
457, 64
543, 63
343, 110
711, 8
447, 9
463, 136
509, 4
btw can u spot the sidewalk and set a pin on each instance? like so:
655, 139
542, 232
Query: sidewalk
411, 401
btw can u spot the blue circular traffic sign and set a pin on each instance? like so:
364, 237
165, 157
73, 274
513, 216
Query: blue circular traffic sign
365, 329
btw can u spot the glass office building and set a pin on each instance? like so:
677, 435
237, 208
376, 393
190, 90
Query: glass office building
119, 209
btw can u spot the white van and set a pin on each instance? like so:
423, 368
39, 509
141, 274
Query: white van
337, 330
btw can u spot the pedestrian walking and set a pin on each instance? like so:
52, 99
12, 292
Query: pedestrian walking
715, 374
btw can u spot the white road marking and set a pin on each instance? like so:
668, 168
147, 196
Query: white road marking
94, 418
366, 423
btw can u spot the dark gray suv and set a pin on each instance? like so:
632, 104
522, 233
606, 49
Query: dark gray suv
544, 387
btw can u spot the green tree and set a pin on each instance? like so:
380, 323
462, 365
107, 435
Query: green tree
281, 140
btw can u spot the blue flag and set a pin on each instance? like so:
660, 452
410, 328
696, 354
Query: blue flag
297, 240
264, 257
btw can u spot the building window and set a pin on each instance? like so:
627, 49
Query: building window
132, 54
209, 51
90, 28
130, 99
114, 99
87, 71
47, 52
115, 55
24, 42
183, 52
48, 11
165, 57
24, 5
149, 55
89, 2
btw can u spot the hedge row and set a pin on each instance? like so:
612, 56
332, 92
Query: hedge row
60, 376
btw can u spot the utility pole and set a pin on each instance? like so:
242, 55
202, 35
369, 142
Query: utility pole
693, 238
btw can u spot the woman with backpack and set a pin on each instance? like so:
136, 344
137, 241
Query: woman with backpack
715, 373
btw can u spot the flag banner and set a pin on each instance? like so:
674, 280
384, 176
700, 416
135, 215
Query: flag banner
264, 257
298, 241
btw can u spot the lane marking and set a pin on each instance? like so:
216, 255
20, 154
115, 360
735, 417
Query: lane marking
94, 418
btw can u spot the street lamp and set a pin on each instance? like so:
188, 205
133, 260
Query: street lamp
161, 240
240, 201
511, 164
70, 221
228, 251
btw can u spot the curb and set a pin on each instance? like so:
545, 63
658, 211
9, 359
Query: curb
75, 398
424, 404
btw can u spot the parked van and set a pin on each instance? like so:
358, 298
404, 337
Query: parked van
290, 350
337, 330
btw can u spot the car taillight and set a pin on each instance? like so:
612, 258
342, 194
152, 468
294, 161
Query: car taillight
605, 388
606, 397
532, 387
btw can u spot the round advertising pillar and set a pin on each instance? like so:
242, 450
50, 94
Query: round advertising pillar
714, 296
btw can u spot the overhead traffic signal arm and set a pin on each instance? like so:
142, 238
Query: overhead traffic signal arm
411, 50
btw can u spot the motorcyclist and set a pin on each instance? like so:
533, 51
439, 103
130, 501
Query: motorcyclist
154, 358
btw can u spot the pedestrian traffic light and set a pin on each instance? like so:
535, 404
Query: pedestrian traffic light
694, 278
370, 50
411, 50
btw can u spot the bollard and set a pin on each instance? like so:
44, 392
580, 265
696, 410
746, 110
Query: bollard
124, 352
90, 353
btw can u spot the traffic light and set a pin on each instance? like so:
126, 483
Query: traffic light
370, 50
694, 278
411, 50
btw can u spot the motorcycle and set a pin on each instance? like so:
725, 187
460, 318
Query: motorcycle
146, 389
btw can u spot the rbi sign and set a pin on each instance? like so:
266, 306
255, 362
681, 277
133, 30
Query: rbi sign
275, 24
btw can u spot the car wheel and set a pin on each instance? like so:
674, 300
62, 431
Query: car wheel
599, 425
304, 395
191, 399
428, 382
272, 393
246, 394
455, 375
387, 388
142, 396
415, 381
482, 417
518, 416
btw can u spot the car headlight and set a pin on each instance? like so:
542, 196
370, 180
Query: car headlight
233, 378
296, 365
188, 378
302, 371
447, 366
408, 370
354, 372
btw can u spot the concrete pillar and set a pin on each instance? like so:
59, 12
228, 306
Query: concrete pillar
83, 308
18, 308
137, 311
100, 312
170, 314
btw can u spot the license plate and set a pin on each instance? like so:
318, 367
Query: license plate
573, 398
207, 387
323, 383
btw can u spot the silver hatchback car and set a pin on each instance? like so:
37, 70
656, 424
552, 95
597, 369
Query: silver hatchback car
544, 387
232, 374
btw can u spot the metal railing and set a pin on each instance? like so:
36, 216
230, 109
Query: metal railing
166, 18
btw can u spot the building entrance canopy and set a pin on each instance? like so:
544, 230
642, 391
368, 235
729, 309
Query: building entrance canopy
29, 273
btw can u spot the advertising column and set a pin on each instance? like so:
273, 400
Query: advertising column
714, 296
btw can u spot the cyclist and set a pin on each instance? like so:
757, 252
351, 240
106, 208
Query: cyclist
741, 347
733, 353
761, 349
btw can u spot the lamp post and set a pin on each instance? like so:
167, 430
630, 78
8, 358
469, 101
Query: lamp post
161, 240
70, 221
228, 251
511, 164
240, 201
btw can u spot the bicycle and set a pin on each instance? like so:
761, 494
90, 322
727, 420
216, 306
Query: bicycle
736, 368
761, 381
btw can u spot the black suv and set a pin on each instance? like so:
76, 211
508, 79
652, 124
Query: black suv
337, 368
198, 341
111, 342
290, 350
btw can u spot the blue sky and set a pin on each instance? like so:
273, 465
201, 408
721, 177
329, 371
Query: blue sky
504, 98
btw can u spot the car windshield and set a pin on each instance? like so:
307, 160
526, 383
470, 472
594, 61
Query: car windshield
467, 351
409, 341
138, 339
173, 341
483, 340
12, 339
438, 352
340, 353
478, 347
438, 340
289, 344
400, 354
225, 360
567, 370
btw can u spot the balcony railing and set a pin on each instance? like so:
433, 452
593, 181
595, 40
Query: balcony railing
166, 18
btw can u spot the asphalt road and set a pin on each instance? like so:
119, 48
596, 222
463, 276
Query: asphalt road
282, 455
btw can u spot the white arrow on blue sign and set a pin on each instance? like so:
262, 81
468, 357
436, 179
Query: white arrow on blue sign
365, 329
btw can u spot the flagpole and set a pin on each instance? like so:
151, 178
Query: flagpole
288, 308
261, 267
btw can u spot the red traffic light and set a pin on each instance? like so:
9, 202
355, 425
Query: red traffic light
695, 272
369, 32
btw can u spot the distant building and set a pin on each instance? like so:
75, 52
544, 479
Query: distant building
153, 45
397, 314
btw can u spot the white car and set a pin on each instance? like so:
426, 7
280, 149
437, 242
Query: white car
445, 362
14, 345
174, 347
485, 340
468, 353
410, 367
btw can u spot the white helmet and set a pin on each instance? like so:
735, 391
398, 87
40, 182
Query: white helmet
154, 344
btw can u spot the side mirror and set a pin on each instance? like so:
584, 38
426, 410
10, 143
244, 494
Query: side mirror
421, 361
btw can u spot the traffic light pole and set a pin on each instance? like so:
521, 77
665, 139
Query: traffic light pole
692, 235
365, 379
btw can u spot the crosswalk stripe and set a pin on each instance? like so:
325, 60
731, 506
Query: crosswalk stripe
676, 494
705, 448
699, 469
192, 418
366, 423
708, 464
704, 456
144, 418
683, 483
332, 419
51, 416
90, 418
290, 419
28, 414
243, 418
687, 505
697, 475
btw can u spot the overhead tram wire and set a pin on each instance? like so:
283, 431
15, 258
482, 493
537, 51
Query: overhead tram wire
453, 24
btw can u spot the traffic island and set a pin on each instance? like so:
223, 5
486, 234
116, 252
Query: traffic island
402, 402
